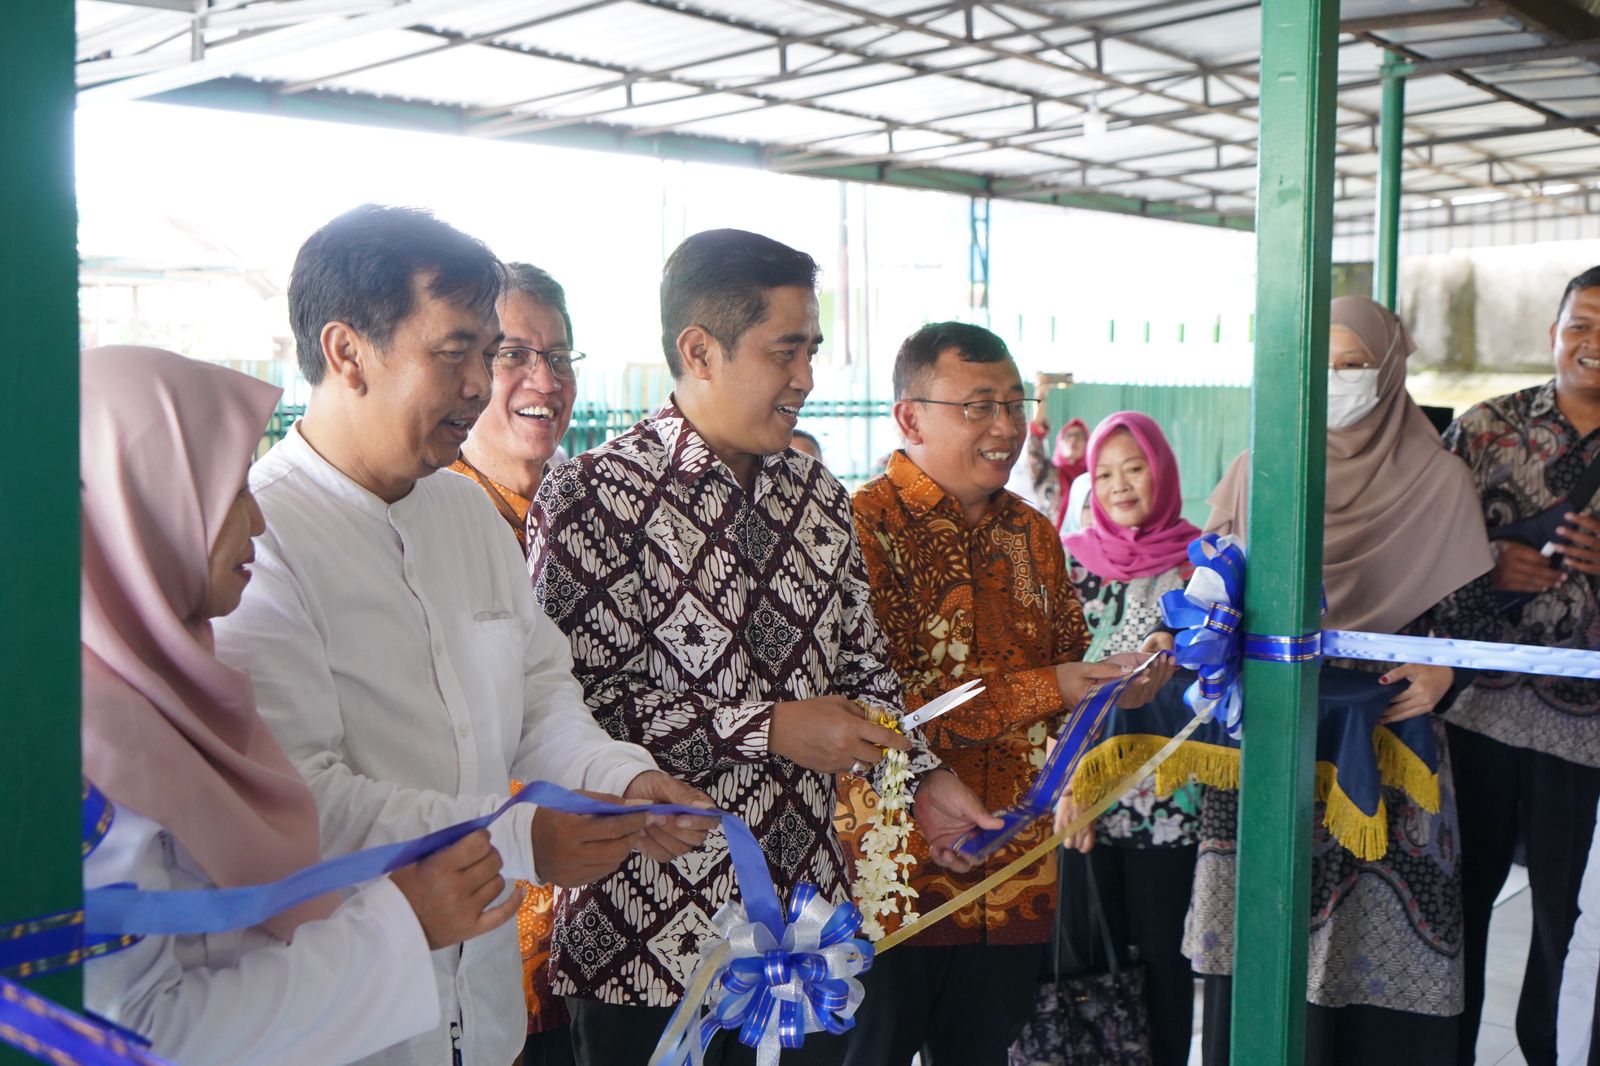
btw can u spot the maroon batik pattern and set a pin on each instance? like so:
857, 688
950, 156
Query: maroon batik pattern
692, 607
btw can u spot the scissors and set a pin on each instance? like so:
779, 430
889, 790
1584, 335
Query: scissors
949, 701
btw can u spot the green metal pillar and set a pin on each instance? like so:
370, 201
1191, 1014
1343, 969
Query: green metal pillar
1391, 123
1294, 220
39, 757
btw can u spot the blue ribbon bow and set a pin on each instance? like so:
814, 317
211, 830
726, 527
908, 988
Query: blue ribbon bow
1209, 612
773, 986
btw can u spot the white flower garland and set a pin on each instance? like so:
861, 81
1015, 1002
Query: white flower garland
882, 886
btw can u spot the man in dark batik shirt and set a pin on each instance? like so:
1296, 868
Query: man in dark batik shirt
1526, 748
710, 582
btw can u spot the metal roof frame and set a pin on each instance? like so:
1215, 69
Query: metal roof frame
1015, 99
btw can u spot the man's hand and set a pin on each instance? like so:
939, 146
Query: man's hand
1519, 568
450, 889
829, 734
574, 849
943, 809
1427, 688
665, 838
1076, 679
1582, 550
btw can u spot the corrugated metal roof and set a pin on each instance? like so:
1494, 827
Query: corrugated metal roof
1145, 106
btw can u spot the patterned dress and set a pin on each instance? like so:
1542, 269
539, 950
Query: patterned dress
1385, 933
957, 603
692, 607
1122, 615
1525, 455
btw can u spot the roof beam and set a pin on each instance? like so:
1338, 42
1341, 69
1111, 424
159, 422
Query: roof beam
1406, 20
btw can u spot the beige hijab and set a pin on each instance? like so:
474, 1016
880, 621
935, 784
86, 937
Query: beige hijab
169, 730
1403, 526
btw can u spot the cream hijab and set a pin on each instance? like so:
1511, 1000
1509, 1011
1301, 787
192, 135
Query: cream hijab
170, 731
1403, 526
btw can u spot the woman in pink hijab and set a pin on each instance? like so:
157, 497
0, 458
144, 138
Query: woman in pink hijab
1135, 550
202, 795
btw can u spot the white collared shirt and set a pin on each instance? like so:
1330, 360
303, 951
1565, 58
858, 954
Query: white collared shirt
397, 654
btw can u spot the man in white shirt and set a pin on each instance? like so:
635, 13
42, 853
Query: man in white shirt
390, 633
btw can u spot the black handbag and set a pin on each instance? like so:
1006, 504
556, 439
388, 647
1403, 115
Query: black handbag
1087, 1019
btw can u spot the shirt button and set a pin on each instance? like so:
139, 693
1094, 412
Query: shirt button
438, 647
463, 729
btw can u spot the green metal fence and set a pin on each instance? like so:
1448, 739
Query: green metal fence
1208, 425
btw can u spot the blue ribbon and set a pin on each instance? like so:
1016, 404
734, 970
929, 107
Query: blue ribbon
57, 941
41, 1028
51, 1033
1084, 725
118, 909
1208, 612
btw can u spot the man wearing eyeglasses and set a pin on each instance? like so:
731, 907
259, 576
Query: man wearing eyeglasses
968, 581
512, 445
535, 382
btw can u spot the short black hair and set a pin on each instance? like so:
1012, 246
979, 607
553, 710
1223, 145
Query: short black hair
359, 267
808, 435
532, 281
718, 280
1589, 279
922, 349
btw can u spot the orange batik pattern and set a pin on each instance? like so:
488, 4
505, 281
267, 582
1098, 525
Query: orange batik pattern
954, 603
534, 920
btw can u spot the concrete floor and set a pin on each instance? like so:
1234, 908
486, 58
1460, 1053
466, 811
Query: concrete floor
1508, 950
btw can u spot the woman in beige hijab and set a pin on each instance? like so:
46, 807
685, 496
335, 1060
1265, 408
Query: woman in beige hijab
1403, 529
202, 795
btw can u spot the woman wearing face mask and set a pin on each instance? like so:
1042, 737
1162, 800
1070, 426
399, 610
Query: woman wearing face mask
1143, 848
1402, 530
200, 793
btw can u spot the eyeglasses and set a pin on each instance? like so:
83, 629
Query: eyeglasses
1020, 411
559, 360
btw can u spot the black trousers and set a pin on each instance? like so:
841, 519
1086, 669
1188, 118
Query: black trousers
1503, 794
553, 1047
604, 1034
1347, 1036
957, 1006
1145, 894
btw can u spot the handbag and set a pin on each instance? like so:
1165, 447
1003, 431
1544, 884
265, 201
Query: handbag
1088, 1019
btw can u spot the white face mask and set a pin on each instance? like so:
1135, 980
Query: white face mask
1352, 396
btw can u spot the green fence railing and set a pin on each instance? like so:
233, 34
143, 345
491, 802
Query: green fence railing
1207, 424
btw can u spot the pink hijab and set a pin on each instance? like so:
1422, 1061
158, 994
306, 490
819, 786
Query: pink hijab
1067, 471
1121, 553
170, 731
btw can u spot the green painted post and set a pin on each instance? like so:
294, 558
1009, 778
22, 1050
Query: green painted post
1391, 137
39, 761
1294, 218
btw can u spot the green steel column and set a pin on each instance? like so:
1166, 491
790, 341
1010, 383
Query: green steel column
1391, 129
1294, 217
39, 760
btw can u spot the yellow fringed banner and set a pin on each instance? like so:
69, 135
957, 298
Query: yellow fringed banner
1086, 815
1100, 778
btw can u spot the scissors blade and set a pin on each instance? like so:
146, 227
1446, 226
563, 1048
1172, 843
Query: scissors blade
935, 707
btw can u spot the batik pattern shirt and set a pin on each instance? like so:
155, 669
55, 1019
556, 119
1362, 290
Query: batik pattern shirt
1525, 455
990, 602
692, 607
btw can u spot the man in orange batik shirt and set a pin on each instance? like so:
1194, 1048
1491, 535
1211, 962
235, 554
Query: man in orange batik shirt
968, 581
514, 442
